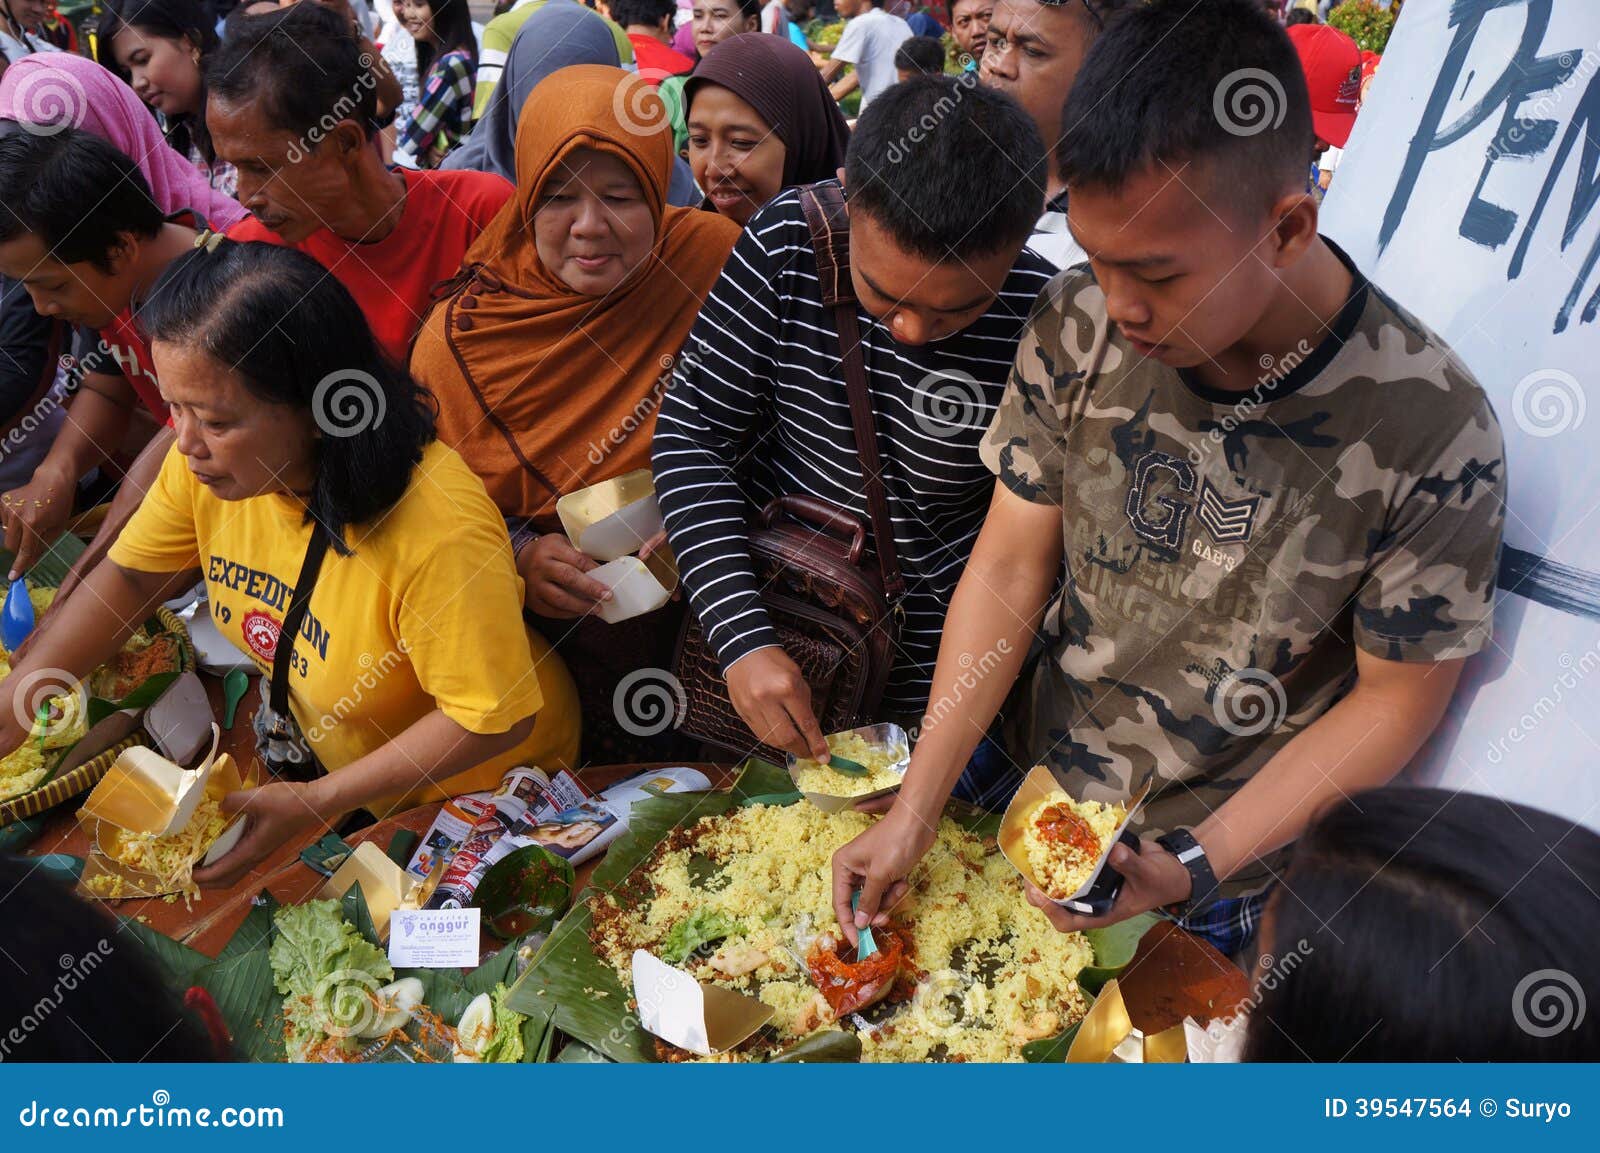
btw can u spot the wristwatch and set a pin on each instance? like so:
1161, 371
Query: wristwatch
1192, 855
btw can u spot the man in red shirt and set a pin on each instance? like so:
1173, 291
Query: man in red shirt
291, 106
82, 233
648, 24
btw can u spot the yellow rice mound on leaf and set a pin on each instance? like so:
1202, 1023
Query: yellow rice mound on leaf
990, 973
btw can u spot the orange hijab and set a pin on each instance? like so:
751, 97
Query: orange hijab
542, 390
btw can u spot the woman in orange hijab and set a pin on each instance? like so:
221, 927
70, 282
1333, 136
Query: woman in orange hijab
552, 352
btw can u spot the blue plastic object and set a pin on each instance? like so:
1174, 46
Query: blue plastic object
16, 620
865, 945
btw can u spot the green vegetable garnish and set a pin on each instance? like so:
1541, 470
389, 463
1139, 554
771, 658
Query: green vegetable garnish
325, 970
506, 1046
699, 928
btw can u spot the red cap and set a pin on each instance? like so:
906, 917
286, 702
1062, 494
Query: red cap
1332, 64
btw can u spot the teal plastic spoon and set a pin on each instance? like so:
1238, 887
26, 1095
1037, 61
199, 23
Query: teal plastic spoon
846, 766
234, 686
865, 945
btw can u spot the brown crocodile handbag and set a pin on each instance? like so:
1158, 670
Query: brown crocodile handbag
836, 617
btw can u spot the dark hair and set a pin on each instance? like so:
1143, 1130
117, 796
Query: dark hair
171, 20
950, 167
920, 54
647, 12
1430, 925
80, 988
1144, 96
1300, 16
301, 63
295, 336
74, 191
749, 8
452, 23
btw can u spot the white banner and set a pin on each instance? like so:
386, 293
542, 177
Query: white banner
1470, 192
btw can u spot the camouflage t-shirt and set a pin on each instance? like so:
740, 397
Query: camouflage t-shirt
1225, 552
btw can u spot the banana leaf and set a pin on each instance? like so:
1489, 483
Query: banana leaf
353, 907
240, 982
758, 779
978, 822
142, 697
539, 1038
577, 1053
591, 1004
1114, 947
827, 1046
51, 568
178, 963
1053, 1050
450, 991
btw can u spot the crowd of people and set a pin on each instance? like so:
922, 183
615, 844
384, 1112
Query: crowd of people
334, 306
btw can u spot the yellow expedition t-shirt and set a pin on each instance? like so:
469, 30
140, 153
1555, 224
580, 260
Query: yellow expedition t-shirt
426, 613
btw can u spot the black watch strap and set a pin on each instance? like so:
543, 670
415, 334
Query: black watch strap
1192, 855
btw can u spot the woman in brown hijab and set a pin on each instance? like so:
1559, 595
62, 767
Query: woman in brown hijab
760, 120
551, 354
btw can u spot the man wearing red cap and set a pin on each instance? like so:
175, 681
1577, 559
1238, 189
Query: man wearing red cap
1331, 61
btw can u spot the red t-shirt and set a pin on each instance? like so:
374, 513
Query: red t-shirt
392, 279
131, 351
125, 342
655, 60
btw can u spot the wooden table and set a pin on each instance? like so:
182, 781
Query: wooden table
212, 919
63, 834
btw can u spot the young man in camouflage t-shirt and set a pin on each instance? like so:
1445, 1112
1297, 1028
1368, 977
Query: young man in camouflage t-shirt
1278, 498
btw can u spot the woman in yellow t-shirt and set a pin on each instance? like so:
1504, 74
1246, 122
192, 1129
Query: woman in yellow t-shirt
411, 674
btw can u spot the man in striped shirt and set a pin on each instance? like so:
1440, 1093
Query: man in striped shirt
943, 182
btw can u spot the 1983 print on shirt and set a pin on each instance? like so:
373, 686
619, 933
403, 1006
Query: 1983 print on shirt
395, 629
1224, 553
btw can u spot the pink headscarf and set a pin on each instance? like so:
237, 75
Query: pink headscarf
63, 89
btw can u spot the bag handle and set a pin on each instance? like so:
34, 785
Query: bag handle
819, 514
830, 239
299, 602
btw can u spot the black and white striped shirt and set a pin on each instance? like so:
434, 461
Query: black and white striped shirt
756, 410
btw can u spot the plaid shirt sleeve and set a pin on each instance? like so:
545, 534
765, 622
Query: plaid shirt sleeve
444, 109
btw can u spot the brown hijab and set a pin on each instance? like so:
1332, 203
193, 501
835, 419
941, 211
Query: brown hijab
784, 87
543, 390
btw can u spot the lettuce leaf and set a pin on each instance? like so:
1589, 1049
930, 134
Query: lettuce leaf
326, 971
699, 928
505, 1048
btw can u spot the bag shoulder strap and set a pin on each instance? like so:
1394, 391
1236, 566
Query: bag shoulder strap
830, 239
299, 603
